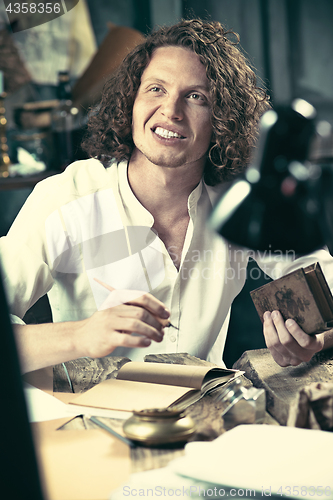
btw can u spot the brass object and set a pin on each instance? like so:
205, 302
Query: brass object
159, 426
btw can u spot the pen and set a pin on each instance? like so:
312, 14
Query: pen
111, 431
166, 323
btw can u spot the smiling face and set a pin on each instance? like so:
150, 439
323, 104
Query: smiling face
171, 114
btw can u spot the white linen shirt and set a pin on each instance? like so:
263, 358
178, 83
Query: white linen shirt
86, 223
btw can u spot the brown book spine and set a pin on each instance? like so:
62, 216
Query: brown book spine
320, 289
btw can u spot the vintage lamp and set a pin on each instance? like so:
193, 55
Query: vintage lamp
277, 205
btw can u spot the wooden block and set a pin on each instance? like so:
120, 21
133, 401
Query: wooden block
179, 358
84, 373
282, 384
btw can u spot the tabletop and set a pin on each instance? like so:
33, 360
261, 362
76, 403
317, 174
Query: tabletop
84, 373
282, 387
79, 457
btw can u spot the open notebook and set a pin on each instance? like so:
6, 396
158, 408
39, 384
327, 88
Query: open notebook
142, 385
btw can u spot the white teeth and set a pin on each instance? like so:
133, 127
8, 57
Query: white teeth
166, 133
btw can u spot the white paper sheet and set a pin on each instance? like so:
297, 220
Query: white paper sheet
42, 406
287, 461
255, 461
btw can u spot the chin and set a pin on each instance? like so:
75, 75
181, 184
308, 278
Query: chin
166, 162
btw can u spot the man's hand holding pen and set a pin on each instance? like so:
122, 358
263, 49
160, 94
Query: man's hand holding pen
127, 318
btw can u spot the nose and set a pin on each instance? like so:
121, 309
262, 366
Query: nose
172, 107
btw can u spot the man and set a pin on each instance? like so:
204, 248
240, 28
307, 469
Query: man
179, 118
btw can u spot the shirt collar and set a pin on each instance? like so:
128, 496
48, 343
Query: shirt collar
194, 197
138, 214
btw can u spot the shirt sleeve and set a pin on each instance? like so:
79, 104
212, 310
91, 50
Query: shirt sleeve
24, 256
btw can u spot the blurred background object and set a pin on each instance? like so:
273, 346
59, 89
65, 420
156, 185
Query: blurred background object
276, 206
118, 42
65, 124
4, 157
15, 73
41, 45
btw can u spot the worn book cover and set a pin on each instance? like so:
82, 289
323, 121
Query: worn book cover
302, 295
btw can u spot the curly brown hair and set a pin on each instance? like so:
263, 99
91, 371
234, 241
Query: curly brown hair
236, 101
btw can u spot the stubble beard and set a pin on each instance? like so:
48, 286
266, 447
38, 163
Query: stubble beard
169, 161
162, 161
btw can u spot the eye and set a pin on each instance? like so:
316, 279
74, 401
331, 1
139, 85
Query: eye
195, 96
155, 89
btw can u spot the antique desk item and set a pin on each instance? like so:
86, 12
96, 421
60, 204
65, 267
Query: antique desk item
86, 373
243, 405
283, 386
159, 426
302, 295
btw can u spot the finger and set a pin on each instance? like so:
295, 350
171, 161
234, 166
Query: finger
285, 337
139, 298
271, 335
125, 340
280, 353
129, 325
306, 341
136, 312
288, 343
283, 360
153, 305
294, 339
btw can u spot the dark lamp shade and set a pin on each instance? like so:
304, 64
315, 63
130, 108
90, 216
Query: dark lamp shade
274, 207
263, 220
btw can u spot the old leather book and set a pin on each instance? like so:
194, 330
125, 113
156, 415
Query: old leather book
302, 295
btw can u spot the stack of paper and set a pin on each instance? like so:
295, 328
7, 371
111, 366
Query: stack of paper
249, 460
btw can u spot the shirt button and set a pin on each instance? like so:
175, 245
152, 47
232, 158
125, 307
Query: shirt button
172, 338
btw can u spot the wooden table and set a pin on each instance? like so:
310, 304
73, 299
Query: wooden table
281, 385
84, 373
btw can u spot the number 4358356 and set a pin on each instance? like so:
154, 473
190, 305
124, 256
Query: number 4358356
32, 8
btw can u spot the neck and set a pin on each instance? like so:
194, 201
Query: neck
162, 189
